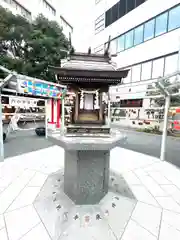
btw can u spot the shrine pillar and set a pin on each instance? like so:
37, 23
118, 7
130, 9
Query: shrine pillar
58, 116
50, 112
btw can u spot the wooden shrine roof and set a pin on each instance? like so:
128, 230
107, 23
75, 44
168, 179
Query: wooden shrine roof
81, 67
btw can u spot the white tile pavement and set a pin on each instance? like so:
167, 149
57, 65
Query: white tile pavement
3, 234
168, 232
155, 184
148, 217
21, 221
38, 232
135, 232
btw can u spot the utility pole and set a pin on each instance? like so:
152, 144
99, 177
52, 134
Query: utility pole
165, 92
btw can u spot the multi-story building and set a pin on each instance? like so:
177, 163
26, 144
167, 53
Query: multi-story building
31, 9
145, 36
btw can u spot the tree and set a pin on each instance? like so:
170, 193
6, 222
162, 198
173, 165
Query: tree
29, 47
175, 100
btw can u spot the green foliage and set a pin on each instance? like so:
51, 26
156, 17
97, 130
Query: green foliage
29, 47
154, 130
175, 100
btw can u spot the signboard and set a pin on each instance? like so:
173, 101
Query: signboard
40, 89
131, 103
22, 102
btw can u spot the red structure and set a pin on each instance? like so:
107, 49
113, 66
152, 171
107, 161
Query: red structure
58, 113
52, 111
55, 112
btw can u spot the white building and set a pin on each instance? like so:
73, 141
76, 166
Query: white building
145, 35
30, 9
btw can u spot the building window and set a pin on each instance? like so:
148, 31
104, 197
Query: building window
149, 29
129, 39
115, 9
171, 64
158, 25
146, 70
113, 46
161, 24
121, 43
139, 2
158, 68
174, 18
136, 73
122, 8
130, 5
108, 18
151, 69
138, 35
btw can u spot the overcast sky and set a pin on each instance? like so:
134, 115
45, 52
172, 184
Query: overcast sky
79, 13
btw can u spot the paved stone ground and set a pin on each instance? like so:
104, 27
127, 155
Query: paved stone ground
154, 184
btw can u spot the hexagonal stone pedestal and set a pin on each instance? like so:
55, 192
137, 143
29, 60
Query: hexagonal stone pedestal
86, 176
86, 172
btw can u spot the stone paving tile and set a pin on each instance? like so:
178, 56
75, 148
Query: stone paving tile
8, 173
1, 189
155, 184
131, 178
168, 232
39, 159
3, 234
38, 180
135, 232
37, 233
124, 208
173, 191
172, 219
21, 221
143, 195
168, 203
140, 172
46, 169
159, 178
2, 224
148, 217
12, 191
118, 162
26, 197
157, 166
152, 186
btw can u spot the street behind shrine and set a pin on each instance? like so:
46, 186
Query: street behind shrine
26, 141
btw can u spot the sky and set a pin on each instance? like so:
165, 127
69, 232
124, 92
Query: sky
79, 13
